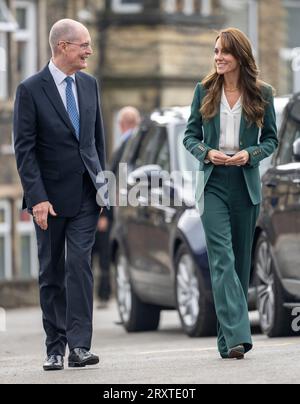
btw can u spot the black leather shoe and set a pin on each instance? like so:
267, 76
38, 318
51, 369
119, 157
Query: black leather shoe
79, 358
237, 352
54, 362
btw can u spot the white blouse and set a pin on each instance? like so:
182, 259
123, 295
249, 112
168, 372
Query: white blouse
230, 125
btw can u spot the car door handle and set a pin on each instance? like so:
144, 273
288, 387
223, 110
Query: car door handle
271, 184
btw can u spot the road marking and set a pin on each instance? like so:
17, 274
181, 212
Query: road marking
178, 350
262, 345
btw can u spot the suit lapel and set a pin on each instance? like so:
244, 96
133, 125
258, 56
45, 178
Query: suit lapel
55, 98
217, 123
82, 112
243, 126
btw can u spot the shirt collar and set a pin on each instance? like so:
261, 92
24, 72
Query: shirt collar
127, 135
225, 103
57, 74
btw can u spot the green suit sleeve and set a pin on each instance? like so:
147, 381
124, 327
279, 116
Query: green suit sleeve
193, 138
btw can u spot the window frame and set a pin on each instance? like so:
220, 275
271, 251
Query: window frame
27, 229
29, 36
10, 24
3, 66
118, 7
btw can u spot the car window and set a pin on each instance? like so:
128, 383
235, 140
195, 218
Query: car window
187, 162
163, 152
289, 136
148, 147
130, 148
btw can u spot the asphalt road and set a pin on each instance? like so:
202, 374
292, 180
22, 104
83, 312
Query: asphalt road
166, 356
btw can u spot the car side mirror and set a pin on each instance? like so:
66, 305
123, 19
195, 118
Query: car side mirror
296, 150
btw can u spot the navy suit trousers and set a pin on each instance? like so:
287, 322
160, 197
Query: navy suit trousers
66, 279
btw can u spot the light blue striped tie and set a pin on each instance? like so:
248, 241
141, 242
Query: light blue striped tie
72, 107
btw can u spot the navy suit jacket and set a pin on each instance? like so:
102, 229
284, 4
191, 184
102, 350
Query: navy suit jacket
50, 160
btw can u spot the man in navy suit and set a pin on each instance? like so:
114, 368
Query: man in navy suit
60, 151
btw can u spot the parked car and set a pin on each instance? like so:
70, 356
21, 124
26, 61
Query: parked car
276, 270
159, 252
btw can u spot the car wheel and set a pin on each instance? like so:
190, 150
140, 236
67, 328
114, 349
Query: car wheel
196, 312
275, 319
135, 315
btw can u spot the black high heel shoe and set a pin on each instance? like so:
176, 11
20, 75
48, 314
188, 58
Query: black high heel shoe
237, 352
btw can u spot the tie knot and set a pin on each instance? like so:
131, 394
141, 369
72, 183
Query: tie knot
69, 80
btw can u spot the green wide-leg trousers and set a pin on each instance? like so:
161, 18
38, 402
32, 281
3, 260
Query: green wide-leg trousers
229, 221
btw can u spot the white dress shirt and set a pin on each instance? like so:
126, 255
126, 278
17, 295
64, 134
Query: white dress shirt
59, 79
230, 125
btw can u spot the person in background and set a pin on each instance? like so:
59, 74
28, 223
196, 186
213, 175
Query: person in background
129, 120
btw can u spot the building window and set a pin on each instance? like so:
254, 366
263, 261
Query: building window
5, 241
290, 54
3, 66
206, 8
188, 7
27, 246
26, 39
127, 6
7, 24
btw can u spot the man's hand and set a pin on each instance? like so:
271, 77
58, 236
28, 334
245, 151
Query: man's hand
41, 213
103, 224
240, 159
218, 158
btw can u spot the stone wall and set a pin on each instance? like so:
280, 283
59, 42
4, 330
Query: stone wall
271, 27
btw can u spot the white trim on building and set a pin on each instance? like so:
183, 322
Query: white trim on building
25, 230
5, 235
206, 8
8, 23
27, 37
123, 6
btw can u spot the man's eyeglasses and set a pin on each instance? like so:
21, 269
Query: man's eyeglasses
83, 46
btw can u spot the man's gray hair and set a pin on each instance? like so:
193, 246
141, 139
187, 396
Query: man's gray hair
130, 116
63, 30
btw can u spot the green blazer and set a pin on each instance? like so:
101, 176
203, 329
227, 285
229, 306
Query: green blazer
202, 136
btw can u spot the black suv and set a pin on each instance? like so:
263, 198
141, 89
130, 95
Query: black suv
160, 253
276, 272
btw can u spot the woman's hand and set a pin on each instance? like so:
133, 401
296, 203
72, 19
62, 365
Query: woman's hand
218, 158
240, 159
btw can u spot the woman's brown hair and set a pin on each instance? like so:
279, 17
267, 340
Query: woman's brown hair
237, 44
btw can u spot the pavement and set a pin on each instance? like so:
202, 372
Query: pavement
163, 357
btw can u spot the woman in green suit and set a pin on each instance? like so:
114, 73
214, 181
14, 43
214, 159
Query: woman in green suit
231, 129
